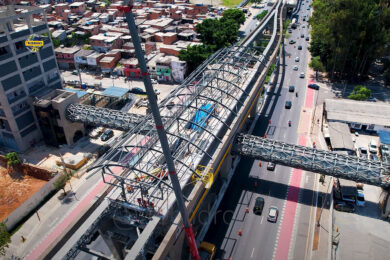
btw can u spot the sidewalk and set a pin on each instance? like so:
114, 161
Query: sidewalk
51, 214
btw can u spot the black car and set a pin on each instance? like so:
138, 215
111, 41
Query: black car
270, 166
291, 88
313, 86
344, 206
292, 42
307, 38
137, 91
259, 205
299, 47
302, 35
288, 104
107, 135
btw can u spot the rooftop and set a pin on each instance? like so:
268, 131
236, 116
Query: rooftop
361, 112
67, 50
115, 91
340, 136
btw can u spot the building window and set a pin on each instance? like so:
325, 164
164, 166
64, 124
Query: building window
19, 45
3, 51
371, 127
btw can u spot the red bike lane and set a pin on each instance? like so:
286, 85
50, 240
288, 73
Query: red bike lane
287, 225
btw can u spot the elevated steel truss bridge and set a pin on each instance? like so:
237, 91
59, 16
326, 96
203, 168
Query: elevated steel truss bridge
314, 160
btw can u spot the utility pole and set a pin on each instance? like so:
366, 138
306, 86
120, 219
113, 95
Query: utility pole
127, 9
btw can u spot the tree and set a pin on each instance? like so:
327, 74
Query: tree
5, 238
12, 160
61, 182
234, 14
262, 15
195, 55
349, 34
360, 92
316, 64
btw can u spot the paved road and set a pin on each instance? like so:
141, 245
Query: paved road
260, 238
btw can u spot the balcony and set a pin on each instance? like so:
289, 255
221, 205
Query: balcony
21, 33
39, 28
18, 97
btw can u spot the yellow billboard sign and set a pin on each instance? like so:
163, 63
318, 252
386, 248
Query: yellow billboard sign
34, 43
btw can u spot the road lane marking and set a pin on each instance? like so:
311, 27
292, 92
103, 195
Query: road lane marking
253, 250
261, 222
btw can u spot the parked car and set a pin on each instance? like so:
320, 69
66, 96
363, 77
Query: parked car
273, 214
270, 166
313, 86
297, 59
154, 81
373, 157
295, 68
291, 88
385, 150
259, 205
307, 38
288, 104
137, 91
371, 99
373, 147
75, 72
344, 206
360, 199
302, 35
302, 75
107, 135
292, 41
363, 152
299, 47
157, 91
206, 250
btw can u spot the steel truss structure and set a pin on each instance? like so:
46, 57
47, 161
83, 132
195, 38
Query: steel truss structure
98, 116
313, 160
136, 165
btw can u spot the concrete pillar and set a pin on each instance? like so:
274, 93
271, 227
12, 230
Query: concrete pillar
226, 165
115, 249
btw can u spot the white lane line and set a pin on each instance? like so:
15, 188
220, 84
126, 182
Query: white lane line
253, 250
261, 222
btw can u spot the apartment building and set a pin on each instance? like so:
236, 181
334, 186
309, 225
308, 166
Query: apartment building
24, 74
105, 42
65, 56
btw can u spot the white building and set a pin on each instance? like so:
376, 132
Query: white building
179, 69
359, 115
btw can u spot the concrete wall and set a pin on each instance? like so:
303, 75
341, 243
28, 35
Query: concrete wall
23, 210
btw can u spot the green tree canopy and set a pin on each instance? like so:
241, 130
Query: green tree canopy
262, 15
349, 34
61, 182
195, 55
234, 14
360, 93
5, 238
316, 64
12, 159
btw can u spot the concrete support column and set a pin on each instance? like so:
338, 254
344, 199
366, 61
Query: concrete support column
226, 166
112, 245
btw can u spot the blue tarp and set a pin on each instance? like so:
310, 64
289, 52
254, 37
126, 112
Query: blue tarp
115, 92
201, 117
80, 93
384, 137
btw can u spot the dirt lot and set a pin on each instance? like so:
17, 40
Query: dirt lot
15, 189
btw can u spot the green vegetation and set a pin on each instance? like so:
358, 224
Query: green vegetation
269, 72
87, 47
261, 15
231, 3
61, 182
286, 23
107, 2
316, 64
12, 159
234, 14
5, 238
360, 93
195, 55
348, 35
215, 34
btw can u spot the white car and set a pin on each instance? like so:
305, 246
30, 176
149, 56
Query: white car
373, 147
297, 59
295, 68
302, 75
273, 214
154, 81
360, 199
